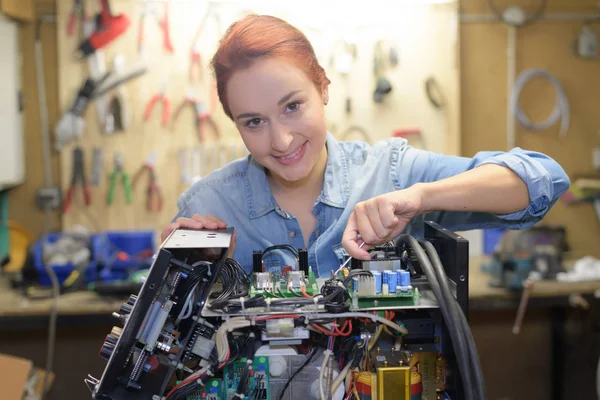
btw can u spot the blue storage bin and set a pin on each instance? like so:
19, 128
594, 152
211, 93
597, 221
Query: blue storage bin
139, 246
491, 237
62, 271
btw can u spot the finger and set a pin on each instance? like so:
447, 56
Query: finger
168, 230
220, 223
374, 209
389, 220
204, 222
365, 228
351, 241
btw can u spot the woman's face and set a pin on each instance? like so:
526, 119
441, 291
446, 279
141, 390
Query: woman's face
280, 115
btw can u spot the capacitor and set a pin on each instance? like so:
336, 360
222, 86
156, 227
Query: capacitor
403, 280
378, 282
391, 279
355, 284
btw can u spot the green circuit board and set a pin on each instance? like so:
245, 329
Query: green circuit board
389, 301
281, 288
213, 390
258, 386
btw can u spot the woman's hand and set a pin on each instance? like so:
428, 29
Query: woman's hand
196, 222
380, 219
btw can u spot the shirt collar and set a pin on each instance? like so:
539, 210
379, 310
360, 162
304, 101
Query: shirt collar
336, 187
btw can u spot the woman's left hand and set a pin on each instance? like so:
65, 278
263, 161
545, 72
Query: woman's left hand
380, 219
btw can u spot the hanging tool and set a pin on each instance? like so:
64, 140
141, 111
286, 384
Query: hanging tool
119, 116
163, 23
195, 73
75, 14
97, 166
202, 115
119, 171
71, 124
77, 179
108, 28
154, 197
162, 98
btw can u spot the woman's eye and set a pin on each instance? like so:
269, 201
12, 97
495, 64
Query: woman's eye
254, 122
292, 106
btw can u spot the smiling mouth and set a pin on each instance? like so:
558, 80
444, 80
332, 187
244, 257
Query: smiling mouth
292, 155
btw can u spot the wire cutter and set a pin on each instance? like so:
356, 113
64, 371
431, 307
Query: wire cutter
154, 197
202, 116
76, 13
78, 178
163, 23
119, 171
159, 97
195, 73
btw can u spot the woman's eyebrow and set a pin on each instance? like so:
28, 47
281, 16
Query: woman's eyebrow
288, 96
280, 102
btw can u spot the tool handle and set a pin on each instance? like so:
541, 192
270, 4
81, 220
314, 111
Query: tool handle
140, 38
154, 199
68, 199
71, 23
127, 186
164, 24
195, 66
111, 188
166, 114
87, 195
149, 106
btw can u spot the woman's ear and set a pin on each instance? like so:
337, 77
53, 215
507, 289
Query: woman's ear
325, 93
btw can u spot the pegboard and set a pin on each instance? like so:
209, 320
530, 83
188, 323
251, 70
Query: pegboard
433, 54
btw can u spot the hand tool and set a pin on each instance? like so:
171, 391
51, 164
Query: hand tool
160, 97
154, 197
195, 73
97, 165
119, 171
163, 23
202, 116
108, 28
118, 116
347, 261
77, 179
76, 13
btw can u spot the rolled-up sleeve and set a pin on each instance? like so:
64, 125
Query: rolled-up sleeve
545, 179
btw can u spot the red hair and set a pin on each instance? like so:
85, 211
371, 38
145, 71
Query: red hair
257, 36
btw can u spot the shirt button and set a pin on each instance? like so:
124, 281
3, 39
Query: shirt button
292, 234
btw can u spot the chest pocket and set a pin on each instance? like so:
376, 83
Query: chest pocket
340, 253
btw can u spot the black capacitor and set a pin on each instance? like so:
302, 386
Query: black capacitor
303, 261
257, 261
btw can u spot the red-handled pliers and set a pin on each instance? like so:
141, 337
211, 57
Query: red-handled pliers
154, 197
78, 178
166, 112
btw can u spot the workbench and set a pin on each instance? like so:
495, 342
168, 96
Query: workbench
89, 310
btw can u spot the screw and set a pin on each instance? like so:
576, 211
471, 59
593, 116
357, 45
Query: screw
462, 278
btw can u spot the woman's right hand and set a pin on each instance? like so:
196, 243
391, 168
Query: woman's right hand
196, 222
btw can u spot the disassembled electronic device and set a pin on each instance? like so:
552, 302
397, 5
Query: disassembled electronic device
201, 327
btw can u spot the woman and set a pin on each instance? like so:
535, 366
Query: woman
301, 187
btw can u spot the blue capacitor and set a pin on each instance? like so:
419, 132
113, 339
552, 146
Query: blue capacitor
355, 284
391, 279
403, 279
378, 283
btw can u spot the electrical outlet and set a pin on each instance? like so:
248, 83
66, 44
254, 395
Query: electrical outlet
49, 198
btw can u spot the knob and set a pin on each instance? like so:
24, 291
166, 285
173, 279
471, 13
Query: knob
132, 300
107, 350
125, 309
112, 339
116, 331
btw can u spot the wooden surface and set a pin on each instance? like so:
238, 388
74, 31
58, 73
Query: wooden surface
22, 207
407, 105
88, 303
23, 10
545, 45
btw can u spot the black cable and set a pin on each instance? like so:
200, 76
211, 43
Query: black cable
458, 340
306, 362
537, 14
459, 317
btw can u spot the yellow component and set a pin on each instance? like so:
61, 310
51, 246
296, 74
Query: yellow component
393, 383
414, 359
440, 373
427, 368
415, 377
71, 278
20, 239
366, 383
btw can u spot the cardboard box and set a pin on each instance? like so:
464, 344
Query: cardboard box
19, 379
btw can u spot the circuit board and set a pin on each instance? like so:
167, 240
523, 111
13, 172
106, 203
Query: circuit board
213, 390
387, 301
280, 288
258, 385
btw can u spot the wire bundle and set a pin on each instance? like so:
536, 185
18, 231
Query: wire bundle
458, 327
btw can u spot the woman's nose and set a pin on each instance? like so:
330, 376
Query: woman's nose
281, 138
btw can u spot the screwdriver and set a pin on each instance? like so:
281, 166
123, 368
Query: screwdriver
347, 261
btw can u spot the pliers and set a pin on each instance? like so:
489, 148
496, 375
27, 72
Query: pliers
166, 112
154, 197
202, 115
78, 178
76, 12
119, 171
163, 23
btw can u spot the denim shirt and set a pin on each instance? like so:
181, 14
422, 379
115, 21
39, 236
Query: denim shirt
356, 171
